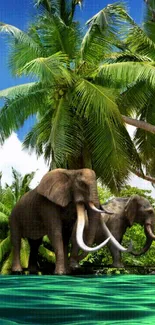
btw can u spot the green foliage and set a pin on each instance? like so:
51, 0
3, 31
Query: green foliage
76, 91
104, 194
47, 254
5, 247
130, 190
136, 234
9, 195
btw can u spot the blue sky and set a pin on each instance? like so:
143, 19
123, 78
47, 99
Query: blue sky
20, 12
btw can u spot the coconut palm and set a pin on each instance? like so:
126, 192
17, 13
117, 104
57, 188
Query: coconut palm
136, 102
73, 94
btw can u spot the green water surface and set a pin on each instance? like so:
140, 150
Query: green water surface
78, 300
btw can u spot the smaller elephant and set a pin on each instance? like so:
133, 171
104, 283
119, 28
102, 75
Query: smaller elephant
128, 211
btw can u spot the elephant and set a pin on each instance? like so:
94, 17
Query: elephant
52, 209
128, 211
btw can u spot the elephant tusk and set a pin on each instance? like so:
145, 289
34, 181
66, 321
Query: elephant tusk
92, 206
80, 228
113, 239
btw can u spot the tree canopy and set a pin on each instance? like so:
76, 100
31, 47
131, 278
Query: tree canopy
85, 84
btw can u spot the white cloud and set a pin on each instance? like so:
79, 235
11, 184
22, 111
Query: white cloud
142, 184
12, 155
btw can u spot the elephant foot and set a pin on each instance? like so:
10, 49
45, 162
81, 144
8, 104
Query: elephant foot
34, 269
118, 264
60, 272
33, 272
74, 265
16, 272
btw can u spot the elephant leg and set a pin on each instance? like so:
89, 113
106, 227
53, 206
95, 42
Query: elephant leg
56, 239
74, 258
16, 243
33, 266
116, 256
66, 237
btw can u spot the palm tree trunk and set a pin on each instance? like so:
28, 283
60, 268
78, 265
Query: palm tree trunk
141, 175
139, 124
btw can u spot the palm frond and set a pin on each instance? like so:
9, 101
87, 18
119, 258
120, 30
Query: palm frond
105, 29
38, 138
25, 183
4, 208
8, 198
110, 145
24, 253
47, 254
65, 136
21, 38
126, 56
3, 218
138, 42
90, 97
48, 69
134, 98
6, 267
149, 19
65, 39
15, 111
127, 72
5, 247
45, 3
12, 92
145, 141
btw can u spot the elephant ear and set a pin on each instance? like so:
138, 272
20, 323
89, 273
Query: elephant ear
131, 209
56, 186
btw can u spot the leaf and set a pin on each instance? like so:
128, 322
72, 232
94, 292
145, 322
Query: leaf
5, 247
24, 253
6, 267
47, 254
48, 69
105, 29
93, 97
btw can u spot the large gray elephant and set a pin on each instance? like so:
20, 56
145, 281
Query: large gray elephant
127, 211
51, 209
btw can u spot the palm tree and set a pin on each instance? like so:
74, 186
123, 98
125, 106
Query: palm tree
74, 97
136, 103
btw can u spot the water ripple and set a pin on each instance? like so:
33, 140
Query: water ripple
78, 300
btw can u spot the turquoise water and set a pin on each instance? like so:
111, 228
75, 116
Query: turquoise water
78, 300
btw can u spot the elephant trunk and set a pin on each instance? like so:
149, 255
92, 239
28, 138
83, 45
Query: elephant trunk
149, 238
145, 248
80, 228
148, 231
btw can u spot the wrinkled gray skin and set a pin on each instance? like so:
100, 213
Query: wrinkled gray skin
128, 211
50, 209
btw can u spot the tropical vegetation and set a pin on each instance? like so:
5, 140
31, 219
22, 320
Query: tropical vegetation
9, 195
